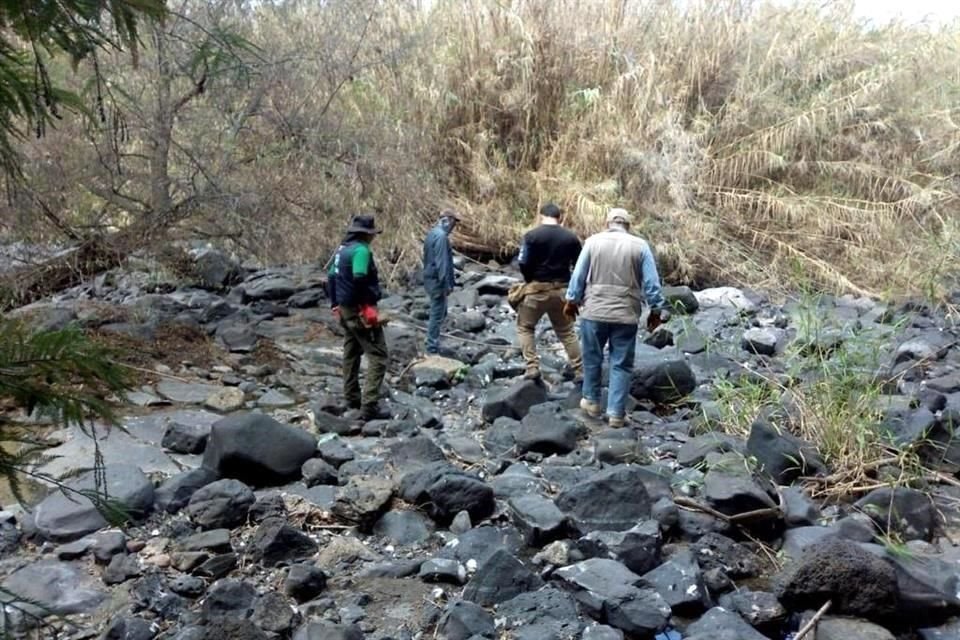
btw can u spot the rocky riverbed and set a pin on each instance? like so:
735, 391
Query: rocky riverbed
488, 506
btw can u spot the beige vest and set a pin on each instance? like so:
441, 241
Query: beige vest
613, 292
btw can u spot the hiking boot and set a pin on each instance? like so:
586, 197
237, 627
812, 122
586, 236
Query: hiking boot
616, 422
373, 412
590, 408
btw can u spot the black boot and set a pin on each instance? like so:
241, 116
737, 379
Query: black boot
373, 411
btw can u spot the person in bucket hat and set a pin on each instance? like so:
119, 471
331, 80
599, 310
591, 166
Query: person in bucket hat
354, 289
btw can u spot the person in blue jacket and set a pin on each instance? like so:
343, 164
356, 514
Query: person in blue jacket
438, 275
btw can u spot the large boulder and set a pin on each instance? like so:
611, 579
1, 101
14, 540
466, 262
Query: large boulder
638, 549
221, 504
781, 454
500, 578
907, 513
548, 428
70, 513
275, 541
731, 487
48, 588
608, 592
662, 380
175, 492
859, 583
257, 450
444, 491
615, 499
215, 270
514, 402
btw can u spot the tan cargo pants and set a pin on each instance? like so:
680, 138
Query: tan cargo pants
546, 299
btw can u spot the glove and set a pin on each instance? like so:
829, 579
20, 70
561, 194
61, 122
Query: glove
571, 309
656, 318
369, 317
336, 312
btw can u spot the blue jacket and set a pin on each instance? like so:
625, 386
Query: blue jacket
438, 274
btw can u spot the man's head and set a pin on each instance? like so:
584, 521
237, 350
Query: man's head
551, 213
363, 227
619, 218
449, 218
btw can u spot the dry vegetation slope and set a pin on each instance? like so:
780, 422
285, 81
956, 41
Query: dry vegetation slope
762, 147
761, 144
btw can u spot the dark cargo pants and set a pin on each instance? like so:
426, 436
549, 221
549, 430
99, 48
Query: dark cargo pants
359, 341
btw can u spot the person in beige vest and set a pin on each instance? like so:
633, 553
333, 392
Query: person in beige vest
547, 256
615, 273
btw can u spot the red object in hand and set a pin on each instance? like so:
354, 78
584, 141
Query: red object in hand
368, 316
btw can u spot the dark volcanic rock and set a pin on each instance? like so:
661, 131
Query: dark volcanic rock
514, 402
215, 270
304, 582
662, 380
548, 428
908, 513
362, 501
444, 491
858, 583
608, 592
121, 568
257, 449
463, 620
174, 494
759, 608
128, 628
782, 455
550, 611
185, 438
229, 599
680, 582
500, 578
404, 527
720, 624
317, 471
328, 631
50, 587
64, 516
273, 613
731, 488
275, 541
638, 548
221, 504
611, 500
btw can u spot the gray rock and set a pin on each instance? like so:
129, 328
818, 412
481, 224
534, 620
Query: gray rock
152, 593
185, 438
334, 451
274, 399
267, 287
730, 487
414, 452
174, 494
215, 270
908, 513
257, 449
796, 541
538, 518
681, 299
480, 543
857, 582
461, 523
799, 510
328, 631
443, 570
833, 628
949, 383
638, 548
185, 392
404, 527
304, 582
601, 632
715, 551
444, 491
74, 550
237, 336
128, 628
514, 402
720, 624
273, 613
318, 471
607, 590
463, 620
929, 585
695, 450
221, 504
62, 517
680, 582
782, 455
549, 610
761, 340
229, 599
611, 500
760, 608
50, 587
662, 380
548, 429
362, 500
275, 541
188, 586
497, 285
121, 568
500, 578
107, 544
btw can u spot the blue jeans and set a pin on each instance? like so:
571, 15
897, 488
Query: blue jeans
622, 338
438, 313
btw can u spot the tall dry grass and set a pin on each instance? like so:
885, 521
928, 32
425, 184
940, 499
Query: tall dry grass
758, 143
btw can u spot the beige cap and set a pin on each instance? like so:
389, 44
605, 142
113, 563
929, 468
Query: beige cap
619, 215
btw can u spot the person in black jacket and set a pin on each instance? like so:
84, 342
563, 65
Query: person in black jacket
547, 256
353, 285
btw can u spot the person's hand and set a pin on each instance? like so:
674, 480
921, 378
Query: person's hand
656, 318
369, 316
336, 312
571, 309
